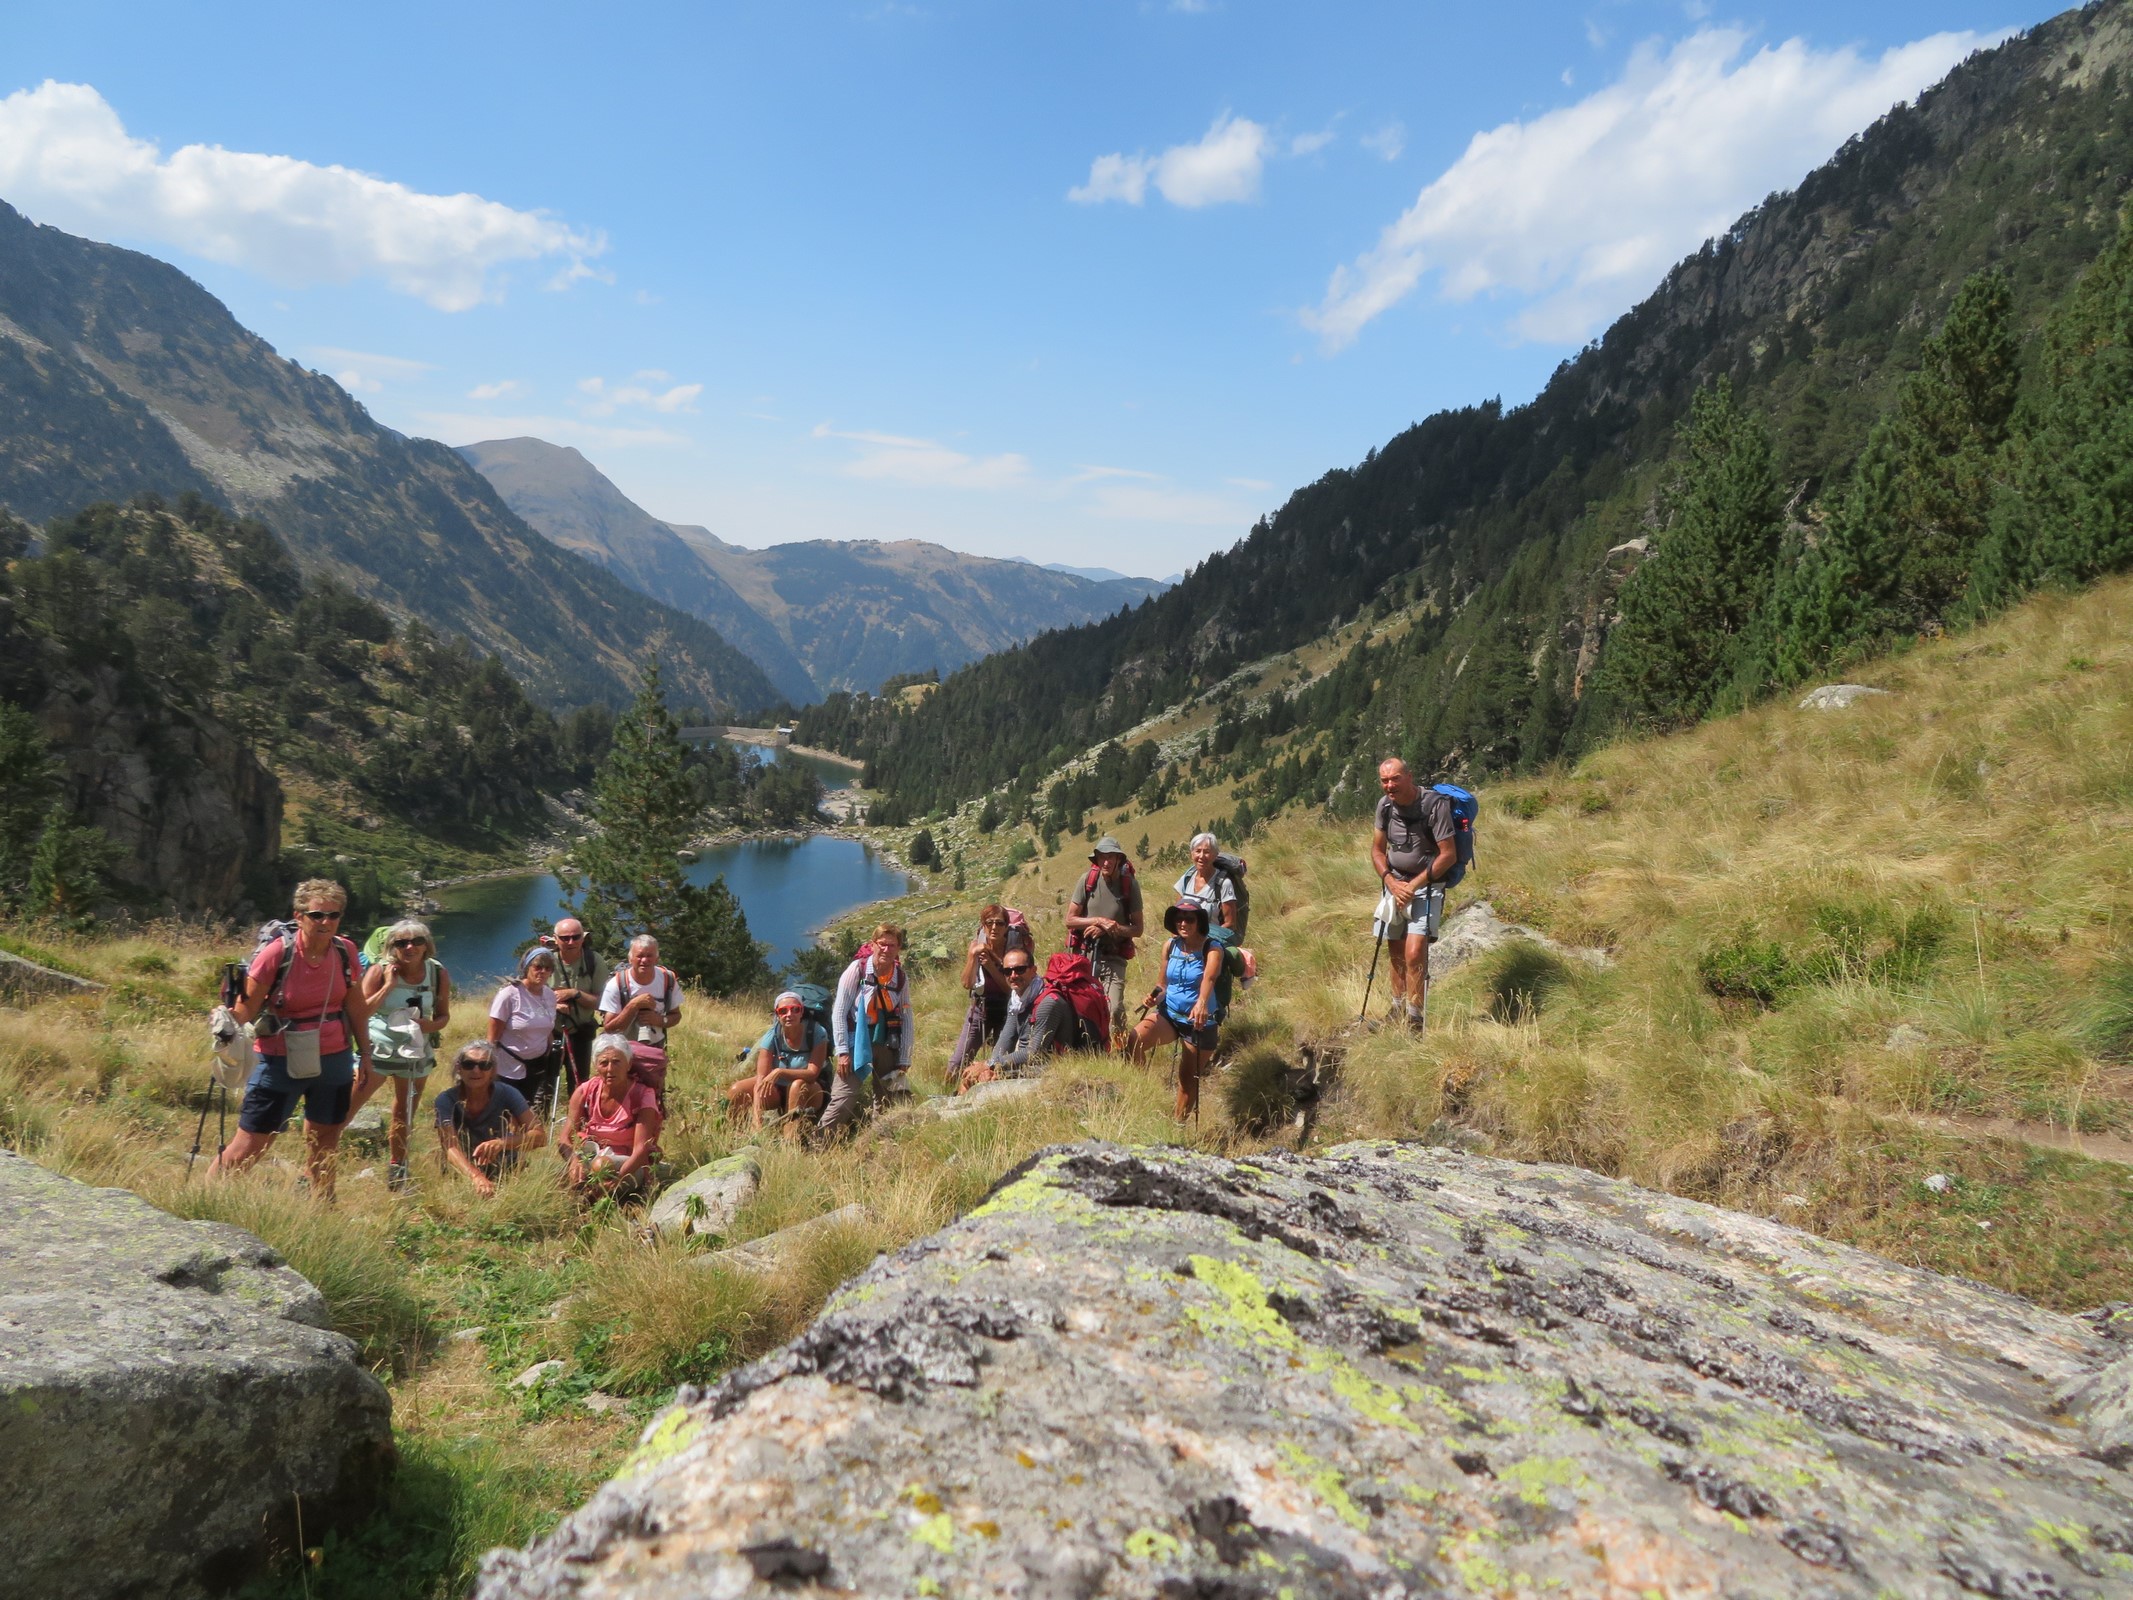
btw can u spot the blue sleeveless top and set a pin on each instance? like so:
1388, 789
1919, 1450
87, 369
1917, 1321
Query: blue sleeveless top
1182, 973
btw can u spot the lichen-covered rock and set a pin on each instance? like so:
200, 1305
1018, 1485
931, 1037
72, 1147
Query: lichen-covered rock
168, 1394
1837, 696
1475, 930
706, 1200
1389, 1371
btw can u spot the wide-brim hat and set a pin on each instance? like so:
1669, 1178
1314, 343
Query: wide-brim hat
1107, 846
1173, 915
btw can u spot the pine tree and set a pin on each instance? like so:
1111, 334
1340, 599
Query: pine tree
1897, 556
67, 868
2067, 513
1687, 611
27, 777
628, 877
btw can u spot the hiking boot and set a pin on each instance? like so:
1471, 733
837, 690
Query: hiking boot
396, 1177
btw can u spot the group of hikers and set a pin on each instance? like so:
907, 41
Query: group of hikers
331, 1025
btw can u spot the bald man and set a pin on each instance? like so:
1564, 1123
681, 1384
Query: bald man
1415, 850
580, 975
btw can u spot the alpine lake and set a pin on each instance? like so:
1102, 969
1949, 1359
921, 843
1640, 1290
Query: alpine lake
788, 886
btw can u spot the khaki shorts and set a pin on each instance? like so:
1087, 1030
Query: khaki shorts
1424, 914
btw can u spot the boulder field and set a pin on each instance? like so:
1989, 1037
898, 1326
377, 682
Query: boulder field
1392, 1370
171, 1401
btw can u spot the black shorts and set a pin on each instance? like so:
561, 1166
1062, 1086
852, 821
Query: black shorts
1198, 1038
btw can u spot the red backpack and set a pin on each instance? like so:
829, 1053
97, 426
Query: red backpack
1071, 976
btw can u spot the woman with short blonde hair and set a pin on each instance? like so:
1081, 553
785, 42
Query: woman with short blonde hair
410, 998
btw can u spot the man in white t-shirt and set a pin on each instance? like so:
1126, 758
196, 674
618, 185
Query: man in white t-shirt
642, 1000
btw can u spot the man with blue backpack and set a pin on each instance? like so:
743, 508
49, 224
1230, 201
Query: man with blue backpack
1423, 843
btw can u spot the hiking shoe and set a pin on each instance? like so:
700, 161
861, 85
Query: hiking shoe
396, 1176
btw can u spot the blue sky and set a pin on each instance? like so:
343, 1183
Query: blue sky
1094, 283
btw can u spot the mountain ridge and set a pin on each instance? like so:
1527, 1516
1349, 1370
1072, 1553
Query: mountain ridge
119, 375
839, 614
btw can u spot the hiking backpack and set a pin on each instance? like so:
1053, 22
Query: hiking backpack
1465, 808
285, 931
1233, 868
1071, 977
815, 1002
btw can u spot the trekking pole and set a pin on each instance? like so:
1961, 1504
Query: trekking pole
1373, 978
200, 1132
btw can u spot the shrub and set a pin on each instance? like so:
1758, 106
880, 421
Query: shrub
922, 852
1527, 806
1256, 1094
1749, 969
1520, 979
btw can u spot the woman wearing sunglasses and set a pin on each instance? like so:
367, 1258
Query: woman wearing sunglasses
483, 1124
305, 1003
410, 1000
789, 1059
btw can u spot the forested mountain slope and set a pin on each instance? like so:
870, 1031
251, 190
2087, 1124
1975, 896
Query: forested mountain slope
1494, 526
119, 375
821, 615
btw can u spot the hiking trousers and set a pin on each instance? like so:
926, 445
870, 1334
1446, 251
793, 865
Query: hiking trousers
1111, 976
848, 1097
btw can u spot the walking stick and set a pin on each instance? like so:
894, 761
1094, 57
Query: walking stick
200, 1132
1373, 978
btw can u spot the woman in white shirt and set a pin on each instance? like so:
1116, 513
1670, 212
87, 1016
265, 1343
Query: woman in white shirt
1207, 885
522, 1027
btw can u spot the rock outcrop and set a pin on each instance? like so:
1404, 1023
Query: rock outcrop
1838, 696
1389, 1371
170, 1399
1476, 929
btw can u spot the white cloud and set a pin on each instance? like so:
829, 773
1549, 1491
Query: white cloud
1582, 208
467, 427
1309, 144
502, 389
66, 159
400, 369
1102, 474
1255, 485
1223, 167
1389, 141
925, 463
603, 399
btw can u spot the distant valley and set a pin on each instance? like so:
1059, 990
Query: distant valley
820, 615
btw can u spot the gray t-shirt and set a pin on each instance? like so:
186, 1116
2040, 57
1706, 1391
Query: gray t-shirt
1101, 900
1413, 833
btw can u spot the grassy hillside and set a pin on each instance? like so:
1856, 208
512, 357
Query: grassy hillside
1851, 950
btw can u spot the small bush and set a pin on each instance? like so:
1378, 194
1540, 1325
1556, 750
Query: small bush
921, 852
1520, 979
1527, 806
1255, 1092
1749, 969
1020, 855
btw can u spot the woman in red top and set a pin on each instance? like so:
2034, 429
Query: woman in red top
310, 1025
613, 1131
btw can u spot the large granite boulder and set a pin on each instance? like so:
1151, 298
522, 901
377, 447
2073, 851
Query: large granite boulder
1389, 1371
170, 1399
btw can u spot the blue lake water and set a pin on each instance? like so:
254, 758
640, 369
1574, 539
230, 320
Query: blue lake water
787, 887
834, 774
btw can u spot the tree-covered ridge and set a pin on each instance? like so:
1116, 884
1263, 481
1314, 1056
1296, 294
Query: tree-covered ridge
1493, 527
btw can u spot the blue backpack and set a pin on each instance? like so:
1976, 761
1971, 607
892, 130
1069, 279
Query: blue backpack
1465, 808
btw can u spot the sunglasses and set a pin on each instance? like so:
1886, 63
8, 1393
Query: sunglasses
477, 1066
1018, 972
570, 938
791, 1011
409, 944
321, 916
